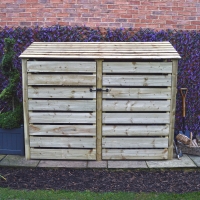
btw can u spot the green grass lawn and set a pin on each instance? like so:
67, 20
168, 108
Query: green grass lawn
6, 194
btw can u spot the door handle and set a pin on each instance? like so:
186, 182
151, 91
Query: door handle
99, 90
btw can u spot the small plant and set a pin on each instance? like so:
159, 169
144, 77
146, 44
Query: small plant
14, 118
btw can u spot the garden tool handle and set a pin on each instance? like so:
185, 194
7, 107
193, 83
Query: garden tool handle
183, 93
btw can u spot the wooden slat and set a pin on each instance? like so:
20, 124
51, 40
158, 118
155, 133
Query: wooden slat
81, 49
61, 66
143, 142
161, 130
100, 43
139, 154
61, 79
60, 92
108, 53
63, 105
67, 142
138, 93
112, 55
128, 105
136, 80
100, 56
137, 67
137, 118
25, 109
70, 154
40, 117
68, 130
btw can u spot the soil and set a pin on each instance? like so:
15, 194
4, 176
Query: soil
101, 180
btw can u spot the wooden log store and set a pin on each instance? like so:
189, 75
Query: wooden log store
99, 100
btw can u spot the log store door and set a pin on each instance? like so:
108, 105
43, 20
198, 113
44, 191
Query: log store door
135, 110
62, 109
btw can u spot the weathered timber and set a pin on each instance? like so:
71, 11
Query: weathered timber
64, 130
151, 130
137, 67
70, 154
138, 154
65, 142
139, 142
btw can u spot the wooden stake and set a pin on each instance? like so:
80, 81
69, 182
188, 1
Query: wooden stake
172, 107
25, 106
99, 109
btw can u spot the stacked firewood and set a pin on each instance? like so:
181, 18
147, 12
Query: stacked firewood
192, 142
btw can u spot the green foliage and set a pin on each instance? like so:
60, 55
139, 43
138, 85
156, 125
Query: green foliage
87, 195
6, 64
10, 90
12, 119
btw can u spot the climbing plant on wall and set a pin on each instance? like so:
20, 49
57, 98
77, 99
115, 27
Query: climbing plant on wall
13, 118
187, 44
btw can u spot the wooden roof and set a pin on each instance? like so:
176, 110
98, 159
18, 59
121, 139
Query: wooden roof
101, 50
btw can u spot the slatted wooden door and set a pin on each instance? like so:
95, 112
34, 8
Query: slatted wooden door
136, 110
62, 110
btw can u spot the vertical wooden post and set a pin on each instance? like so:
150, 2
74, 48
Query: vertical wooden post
173, 107
25, 106
99, 109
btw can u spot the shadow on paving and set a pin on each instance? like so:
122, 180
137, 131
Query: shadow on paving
102, 180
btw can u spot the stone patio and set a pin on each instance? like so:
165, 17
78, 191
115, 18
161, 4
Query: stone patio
187, 161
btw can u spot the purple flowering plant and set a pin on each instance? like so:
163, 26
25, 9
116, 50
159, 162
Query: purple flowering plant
187, 44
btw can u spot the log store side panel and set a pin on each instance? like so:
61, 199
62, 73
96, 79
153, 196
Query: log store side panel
99, 100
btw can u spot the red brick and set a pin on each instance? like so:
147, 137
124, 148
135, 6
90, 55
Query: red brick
134, 20
2, 15
176, 14
32, 1
195, 23
12, 5
146, 21
177, 9
6, 19
107, 20
62, 15
152, 17
94, 19
165, 17
88, 15
113, 6
126, 16
190, 27
120, 20
13, 15
24, 14
25, 23
25, 5
10, 24
56, 1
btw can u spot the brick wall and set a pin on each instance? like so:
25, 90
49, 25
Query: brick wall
155, 14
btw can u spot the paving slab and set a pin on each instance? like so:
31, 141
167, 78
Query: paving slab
127, 164
66, 164
2, 157
195, 159
18, 161
175, 163
97, 164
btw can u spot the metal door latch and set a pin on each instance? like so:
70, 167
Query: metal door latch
99, 90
